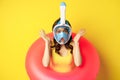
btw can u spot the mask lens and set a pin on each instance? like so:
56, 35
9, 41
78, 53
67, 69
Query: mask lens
62, 34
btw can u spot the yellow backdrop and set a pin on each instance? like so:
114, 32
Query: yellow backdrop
21, 21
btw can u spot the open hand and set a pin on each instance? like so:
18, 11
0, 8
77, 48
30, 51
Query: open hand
78, 35
44, 36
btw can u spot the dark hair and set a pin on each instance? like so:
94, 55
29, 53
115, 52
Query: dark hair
56, 44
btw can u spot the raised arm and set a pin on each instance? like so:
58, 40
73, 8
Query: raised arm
76, 48
46, 55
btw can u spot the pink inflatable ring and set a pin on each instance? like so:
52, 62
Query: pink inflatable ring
87, 71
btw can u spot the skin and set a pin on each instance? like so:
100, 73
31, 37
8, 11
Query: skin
63, 51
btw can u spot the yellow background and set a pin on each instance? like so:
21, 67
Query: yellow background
21, 21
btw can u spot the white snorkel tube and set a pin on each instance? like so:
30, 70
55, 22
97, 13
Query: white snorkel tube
62, 24
62, 13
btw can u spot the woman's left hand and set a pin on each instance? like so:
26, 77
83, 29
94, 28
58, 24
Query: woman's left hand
78, 35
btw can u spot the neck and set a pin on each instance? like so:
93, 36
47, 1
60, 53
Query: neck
63, 50
63, 45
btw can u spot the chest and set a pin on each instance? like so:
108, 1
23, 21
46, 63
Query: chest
64, 58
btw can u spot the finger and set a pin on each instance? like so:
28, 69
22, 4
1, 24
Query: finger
82, 32
42, 33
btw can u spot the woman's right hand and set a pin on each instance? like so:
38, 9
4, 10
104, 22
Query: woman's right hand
44, 36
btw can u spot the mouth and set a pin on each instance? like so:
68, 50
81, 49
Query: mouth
62, 40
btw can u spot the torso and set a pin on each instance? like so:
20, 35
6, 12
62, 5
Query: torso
62, 62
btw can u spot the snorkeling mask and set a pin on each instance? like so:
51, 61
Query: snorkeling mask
63, 36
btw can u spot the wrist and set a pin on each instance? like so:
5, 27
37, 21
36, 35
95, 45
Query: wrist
76, 42
47, 43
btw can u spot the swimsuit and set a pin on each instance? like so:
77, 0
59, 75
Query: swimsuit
61, 63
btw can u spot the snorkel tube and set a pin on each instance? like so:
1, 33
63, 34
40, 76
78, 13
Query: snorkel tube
62, 24
62, 13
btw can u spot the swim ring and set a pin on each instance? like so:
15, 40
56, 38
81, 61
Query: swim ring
87, 71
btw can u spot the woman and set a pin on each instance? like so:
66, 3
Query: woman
64, 54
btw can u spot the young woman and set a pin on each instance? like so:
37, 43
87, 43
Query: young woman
63, 53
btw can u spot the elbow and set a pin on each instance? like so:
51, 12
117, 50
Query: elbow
78, 63
44, 63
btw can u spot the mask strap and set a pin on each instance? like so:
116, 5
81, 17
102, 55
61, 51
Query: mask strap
62, 13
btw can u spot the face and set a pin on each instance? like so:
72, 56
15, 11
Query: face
64, 31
